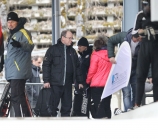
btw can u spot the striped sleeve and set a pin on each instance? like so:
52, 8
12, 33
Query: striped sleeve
137, 23
27, 36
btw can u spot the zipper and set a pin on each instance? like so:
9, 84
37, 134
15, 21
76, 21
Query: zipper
65, 65
73, 63
17, 65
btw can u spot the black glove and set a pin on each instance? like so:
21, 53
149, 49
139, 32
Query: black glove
15, 43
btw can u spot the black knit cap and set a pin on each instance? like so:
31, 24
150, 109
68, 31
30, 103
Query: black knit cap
83, 42
12, 16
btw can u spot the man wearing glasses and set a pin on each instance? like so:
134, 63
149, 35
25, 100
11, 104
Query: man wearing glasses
61, 67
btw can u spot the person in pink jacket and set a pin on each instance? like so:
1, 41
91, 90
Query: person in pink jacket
97, 76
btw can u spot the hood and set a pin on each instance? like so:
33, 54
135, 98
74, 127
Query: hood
87, 52
21, 23
102, 54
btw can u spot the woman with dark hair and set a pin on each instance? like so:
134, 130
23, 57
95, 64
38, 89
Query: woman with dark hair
97, 76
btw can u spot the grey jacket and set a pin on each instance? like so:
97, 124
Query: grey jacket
18, 60
35, 78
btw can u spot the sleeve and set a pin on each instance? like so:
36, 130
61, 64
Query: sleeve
92, 69
1, 62
46, 66
138, 21
26, 41
79, 76
114, 41
1, 55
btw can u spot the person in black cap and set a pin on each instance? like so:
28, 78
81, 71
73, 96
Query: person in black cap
133, 38
85, 52
18, 62
148, 51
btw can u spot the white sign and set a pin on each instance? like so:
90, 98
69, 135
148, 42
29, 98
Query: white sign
154, 10
120, 72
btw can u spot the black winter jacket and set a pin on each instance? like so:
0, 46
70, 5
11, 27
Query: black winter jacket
1, 53
54, 65
85, 62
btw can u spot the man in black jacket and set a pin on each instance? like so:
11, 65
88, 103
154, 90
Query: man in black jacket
61, 67
85, 52
148, 53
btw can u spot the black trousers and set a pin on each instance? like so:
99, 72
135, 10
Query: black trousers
18, 100
103, 108
148, 54
65, 94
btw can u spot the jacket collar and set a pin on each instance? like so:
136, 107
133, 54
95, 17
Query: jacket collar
36, 68
60, 43
19, 26
87, 52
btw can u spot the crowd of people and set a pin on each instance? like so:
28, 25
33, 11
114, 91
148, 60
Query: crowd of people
88, 69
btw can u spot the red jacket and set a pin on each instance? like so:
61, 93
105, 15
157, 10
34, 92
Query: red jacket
99, 69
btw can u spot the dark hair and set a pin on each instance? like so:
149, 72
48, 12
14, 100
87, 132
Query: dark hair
63, 33
98, 44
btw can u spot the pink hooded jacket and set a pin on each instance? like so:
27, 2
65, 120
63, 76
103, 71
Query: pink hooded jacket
99, 69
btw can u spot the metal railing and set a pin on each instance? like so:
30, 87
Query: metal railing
29, 89
40, 85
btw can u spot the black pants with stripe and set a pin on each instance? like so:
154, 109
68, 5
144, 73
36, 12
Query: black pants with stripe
148, 54
103, 108
78, 98
18, 100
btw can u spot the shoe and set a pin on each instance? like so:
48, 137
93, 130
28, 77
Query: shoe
34, 112
135, 107
129, 110
117, 111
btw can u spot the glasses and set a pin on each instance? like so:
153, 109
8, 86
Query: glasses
69, 38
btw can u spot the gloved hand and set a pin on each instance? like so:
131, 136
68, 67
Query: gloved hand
15, 43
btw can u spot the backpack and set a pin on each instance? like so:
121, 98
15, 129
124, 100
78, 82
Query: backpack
44, 105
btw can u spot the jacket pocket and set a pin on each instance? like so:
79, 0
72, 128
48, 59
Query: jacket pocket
56, 75
56, 60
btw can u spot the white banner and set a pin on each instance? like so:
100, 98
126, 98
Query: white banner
120, 72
